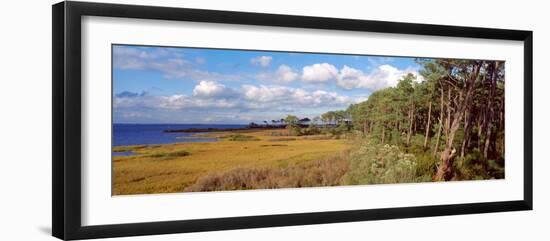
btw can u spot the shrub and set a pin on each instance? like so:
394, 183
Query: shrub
310, 130
377, 164
474, 167
128, 148
170, 154
295, 131
426, 164
241, 137
337, 131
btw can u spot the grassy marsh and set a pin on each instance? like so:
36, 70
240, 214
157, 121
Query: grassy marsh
177, 167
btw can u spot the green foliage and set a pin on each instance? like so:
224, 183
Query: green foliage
241, 137
338, 131
310, 130
291, 120
473, 167
396, 137
170, 154
377, 164
334, 117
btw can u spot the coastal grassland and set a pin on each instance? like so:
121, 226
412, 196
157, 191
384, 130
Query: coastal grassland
271, 153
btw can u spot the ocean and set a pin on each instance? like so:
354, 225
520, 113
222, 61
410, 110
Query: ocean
147, 134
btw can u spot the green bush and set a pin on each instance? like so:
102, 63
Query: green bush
311, 130
338, 131
377, 164
426, 162
294, 130
474, 167
241, 137
170, 154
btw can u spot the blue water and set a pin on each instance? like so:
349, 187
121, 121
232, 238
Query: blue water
147, 134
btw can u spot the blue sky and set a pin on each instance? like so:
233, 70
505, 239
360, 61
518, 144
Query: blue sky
197, 85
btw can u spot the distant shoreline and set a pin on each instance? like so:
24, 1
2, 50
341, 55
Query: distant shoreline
213, 129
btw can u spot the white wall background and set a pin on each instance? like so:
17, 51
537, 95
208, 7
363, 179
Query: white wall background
25, 119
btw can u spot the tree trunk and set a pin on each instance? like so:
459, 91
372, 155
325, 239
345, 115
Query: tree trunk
480, 130
490, 112
426, 137
371, 127
452, 123
444, 170
397, 123
414, 124
487, 141
411, 118
466, 134
441, 116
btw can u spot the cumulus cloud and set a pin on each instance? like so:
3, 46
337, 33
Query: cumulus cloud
319, 73
346, 78
182, 102
381, 77
211, 89
263, 61
175, 102
351, 78
283, 75
286, 74
209, 94
296, 97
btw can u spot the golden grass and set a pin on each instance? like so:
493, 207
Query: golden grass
325, 172
175, 167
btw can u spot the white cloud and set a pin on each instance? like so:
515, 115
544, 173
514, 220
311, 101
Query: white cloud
263, 61
181, 102
319, 73
273, 96
347, 77
264, 93
209, 89
175, 102
209, 94
381, 77
285, 74
210, 100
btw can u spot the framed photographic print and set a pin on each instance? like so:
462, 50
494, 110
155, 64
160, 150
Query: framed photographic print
169, 120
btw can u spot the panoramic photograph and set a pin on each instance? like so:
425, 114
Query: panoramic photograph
202, 119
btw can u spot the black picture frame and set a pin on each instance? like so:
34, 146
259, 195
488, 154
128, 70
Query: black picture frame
66, 75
